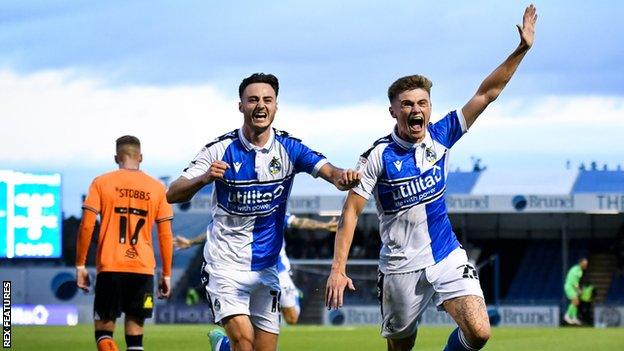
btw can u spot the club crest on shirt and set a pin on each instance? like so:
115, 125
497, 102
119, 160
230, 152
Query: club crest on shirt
217, 305
275, 166
430, 154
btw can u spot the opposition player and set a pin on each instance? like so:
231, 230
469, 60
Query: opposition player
253, 169
128, 202
289, 294
406, 171
572, 289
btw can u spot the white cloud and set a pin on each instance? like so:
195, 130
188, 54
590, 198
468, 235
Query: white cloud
547, 131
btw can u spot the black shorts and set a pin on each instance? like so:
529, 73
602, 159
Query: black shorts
130, 293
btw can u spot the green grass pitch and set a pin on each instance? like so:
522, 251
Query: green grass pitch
193, 337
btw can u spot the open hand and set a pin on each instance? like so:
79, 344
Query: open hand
180, 242
334, 291
332, 226
527, 30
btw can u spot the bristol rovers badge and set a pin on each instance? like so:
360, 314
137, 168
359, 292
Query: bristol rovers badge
430, 154
275, 166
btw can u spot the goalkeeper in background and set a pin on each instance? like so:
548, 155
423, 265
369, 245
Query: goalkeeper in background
572, 291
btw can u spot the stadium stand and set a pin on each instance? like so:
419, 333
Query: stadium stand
593, 181
538, 278
616, 291
461, 182
528, 246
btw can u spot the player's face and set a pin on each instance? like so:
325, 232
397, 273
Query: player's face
412, 110
584, 264
258, 105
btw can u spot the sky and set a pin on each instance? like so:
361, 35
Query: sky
76, 75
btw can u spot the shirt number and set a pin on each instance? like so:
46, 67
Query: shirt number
124, 213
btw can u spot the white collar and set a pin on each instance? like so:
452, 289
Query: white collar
249, 146
409, 145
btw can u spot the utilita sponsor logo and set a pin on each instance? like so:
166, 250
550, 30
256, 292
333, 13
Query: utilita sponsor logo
418, 185
252, 197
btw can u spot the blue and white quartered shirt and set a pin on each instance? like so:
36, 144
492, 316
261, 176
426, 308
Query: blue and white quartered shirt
408, 181
249, 204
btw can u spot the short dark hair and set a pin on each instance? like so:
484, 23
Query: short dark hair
259, 78
127, 140
409, 83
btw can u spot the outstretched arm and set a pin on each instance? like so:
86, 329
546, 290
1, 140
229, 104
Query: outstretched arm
307, 223
338, 279
342, 179
494, 84
180, 242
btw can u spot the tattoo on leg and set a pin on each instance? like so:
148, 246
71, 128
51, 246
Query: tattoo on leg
470, 313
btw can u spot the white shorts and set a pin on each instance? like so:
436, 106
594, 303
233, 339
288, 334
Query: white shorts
405, 296
252, 293
289, 294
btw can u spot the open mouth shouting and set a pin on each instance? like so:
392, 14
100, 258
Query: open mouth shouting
416, 123
260, 116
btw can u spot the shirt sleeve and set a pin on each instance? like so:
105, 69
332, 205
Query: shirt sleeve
370, 168
92, 202
165, 210
449, 129
201, 163
85, 232
306, 160
165, 242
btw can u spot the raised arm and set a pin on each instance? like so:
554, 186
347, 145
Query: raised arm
338, 279
494, 84
183, 189
342, 179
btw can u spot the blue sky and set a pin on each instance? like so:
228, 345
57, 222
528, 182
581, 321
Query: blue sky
169, 73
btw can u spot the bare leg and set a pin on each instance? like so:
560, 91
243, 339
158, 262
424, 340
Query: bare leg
405, 344
134, 325
265, 341
108, 325
291, 315
471, 316
240, 331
